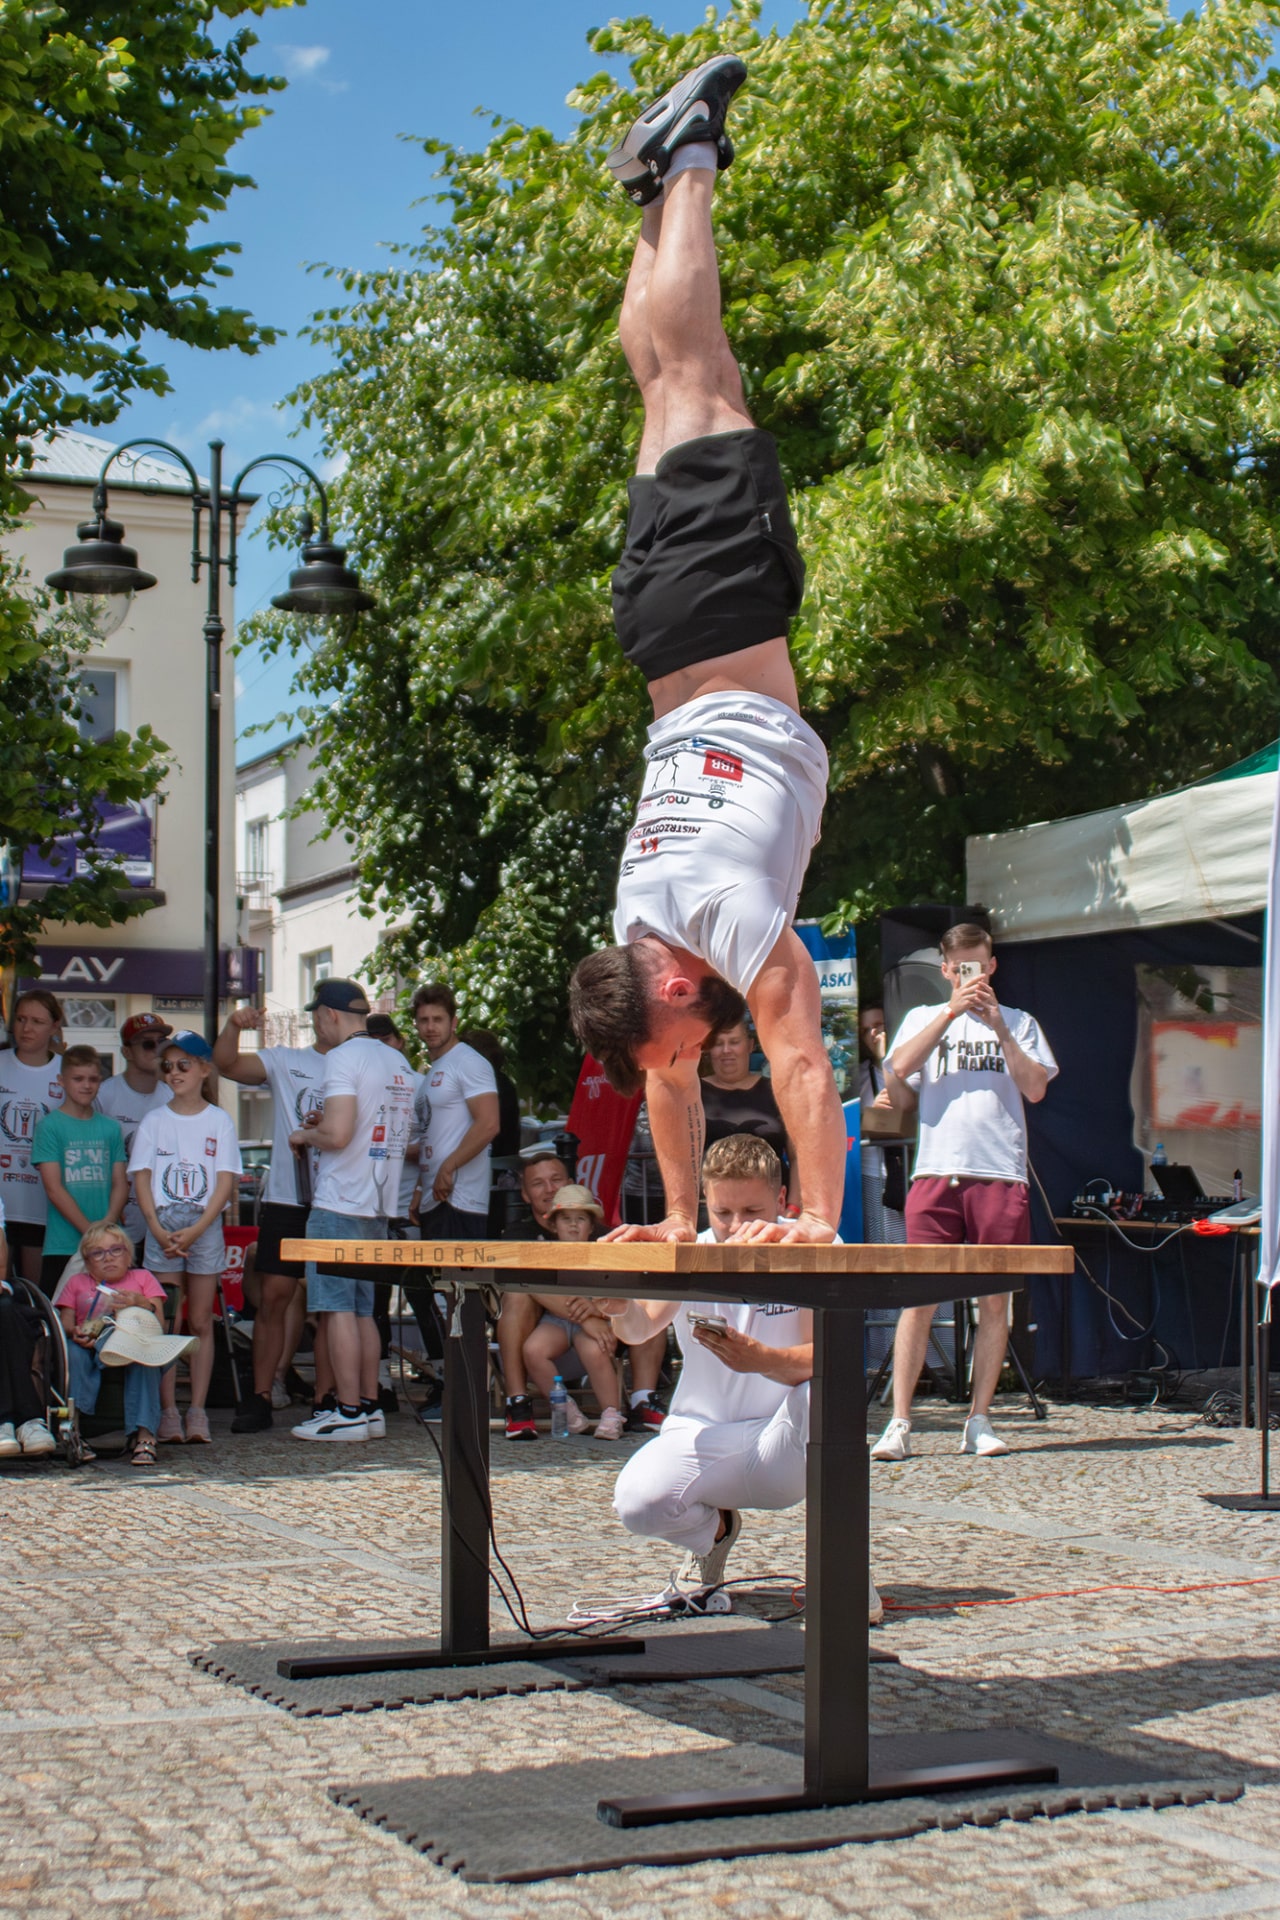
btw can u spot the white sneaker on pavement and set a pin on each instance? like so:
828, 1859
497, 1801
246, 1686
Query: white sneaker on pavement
279, 1395
35, 1438
8, 1440
578, 1421
981, 1437
895, 1442
332, 1425
703, 1570
611, 1425
377, 1424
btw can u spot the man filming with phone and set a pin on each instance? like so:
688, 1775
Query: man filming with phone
972, 1063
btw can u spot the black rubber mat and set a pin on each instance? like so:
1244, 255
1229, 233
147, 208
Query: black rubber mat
717, 1652
540, 1823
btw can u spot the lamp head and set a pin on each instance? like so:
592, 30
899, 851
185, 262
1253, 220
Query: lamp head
100, 575
324, 585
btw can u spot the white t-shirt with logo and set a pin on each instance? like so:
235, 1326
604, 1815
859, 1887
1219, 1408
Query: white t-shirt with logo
362, 1179
972, 1121
26, 1094
184, 1153
709, 1391
127, 1106
295, 1076
730, 811
444, 1117
410, 1171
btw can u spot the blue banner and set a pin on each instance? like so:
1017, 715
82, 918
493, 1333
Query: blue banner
836, 963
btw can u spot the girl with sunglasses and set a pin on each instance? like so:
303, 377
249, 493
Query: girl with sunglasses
184, 1167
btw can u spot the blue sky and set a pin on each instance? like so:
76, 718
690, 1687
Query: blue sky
336, 184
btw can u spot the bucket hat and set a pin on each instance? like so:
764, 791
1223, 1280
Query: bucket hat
137, 1340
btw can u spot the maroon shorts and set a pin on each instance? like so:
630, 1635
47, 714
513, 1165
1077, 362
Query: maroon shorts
968, 1212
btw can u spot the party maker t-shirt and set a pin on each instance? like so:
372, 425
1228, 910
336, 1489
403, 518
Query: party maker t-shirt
972, 1122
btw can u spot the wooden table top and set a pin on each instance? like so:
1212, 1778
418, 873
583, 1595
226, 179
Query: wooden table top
872, 1274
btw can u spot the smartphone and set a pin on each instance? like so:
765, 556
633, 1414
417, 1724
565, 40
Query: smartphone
714, 1322
969, 970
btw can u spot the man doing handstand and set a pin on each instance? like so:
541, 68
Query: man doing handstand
734, 779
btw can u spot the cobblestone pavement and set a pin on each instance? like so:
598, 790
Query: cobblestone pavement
137, 1786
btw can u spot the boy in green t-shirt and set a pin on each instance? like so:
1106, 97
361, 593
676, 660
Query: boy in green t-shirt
81, 1157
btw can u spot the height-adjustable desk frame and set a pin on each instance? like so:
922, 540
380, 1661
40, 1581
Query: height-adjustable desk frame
839, 1284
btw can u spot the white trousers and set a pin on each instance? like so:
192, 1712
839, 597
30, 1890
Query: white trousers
676, 1487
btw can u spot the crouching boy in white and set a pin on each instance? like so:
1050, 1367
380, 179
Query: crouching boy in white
739, 1422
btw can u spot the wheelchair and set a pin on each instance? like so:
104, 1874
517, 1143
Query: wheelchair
61, 1415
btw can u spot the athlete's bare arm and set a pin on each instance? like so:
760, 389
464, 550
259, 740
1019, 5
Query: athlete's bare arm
676, 1121
787, 1009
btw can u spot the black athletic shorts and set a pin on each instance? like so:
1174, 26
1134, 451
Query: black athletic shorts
24, 1233
277, 1222
711, 563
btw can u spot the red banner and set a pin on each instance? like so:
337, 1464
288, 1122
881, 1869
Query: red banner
604, 1122
237, 1240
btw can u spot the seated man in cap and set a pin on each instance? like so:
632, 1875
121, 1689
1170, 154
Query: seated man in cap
734, 779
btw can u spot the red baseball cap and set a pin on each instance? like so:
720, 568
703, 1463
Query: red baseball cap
140, 1023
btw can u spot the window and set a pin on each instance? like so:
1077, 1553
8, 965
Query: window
98, 691
256, 850
83, 1015
315, 968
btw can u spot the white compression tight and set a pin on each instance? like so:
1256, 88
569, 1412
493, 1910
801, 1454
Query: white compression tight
675, 1487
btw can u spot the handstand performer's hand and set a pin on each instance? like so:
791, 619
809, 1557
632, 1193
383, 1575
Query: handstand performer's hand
807, 1230
674, 1227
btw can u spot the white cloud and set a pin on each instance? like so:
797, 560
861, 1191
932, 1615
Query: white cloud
308, 63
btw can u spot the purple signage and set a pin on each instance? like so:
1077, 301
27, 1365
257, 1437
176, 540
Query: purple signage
126, 836
93, 969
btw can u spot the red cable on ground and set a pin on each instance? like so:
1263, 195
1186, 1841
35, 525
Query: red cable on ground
1075, 1593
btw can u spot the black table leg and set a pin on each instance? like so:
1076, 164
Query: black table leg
837, 1769
464, 1536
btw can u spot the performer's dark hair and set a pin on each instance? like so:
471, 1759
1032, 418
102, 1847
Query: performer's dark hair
611, 1012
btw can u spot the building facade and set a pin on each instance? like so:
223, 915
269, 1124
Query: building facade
298, 903
152, 670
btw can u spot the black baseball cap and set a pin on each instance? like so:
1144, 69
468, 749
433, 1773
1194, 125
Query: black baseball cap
344, 996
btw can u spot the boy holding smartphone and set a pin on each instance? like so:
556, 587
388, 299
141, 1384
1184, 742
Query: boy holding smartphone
738, 1426
972, 1064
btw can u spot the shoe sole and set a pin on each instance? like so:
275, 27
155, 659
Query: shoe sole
38, 1453
330, 1439
630, 160
522, 1436
882, 1453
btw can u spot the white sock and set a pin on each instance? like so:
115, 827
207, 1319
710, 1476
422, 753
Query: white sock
643, 1394
698, 153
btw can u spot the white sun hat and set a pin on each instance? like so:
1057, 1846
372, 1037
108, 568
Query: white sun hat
137, 1340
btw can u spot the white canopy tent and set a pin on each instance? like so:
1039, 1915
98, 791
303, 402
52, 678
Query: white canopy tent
1201, 854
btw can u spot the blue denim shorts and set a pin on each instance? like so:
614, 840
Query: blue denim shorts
344, 1291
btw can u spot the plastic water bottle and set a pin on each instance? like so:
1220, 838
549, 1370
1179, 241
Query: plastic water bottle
1159, 1158
559, 1410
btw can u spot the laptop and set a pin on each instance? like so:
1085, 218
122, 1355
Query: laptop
1180, 1185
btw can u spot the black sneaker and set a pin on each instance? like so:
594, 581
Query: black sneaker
694, 109
254, 1415
646, 1416
521, 1424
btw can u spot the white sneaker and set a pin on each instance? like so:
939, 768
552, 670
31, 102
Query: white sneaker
280, 1395
703, 1570
8, 1441
611, 1425
981, 1437
875, 1605
578, 1421
333, 1426
377, 1424
34, 1438
894, 1443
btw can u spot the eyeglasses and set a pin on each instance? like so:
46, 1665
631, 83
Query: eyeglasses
109, 1253
147, 1046
180, 1066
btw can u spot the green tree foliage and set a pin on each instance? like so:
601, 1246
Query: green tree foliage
116, 119
1003, 281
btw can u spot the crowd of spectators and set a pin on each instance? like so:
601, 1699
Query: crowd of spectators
114, 1195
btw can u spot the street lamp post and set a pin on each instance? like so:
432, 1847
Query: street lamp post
101, 570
